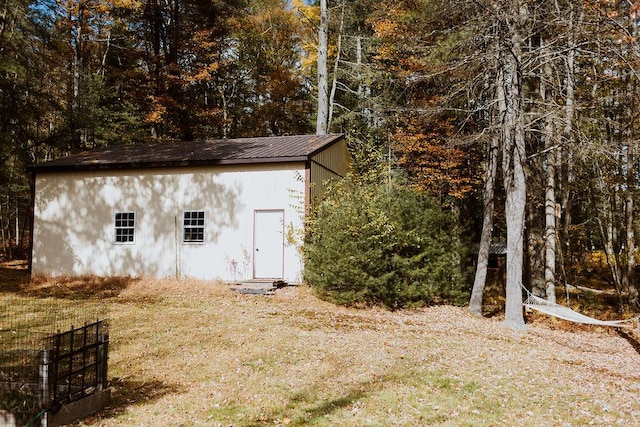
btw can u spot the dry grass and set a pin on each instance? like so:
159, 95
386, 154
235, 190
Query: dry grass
187, 353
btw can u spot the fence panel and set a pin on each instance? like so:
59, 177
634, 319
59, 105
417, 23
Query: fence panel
78, 363
69, 366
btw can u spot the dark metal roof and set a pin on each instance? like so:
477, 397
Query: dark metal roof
498, 248
195, 153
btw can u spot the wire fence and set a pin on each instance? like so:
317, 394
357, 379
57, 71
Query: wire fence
52, 352
27, 319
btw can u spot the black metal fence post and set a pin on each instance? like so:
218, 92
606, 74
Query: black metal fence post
44, 395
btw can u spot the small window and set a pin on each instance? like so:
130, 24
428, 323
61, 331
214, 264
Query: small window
193, 226
125, 227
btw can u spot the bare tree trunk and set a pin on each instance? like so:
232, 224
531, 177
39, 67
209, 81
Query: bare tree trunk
607, 231
550, 229
359, 67
535, 251
631, 183
628, 279
550, 188
475, 303
513, 160
564, 156
323, 89
479, 282
226, 125
534, 268
4, 238
608, 234
77, 46
334, 83
336, 65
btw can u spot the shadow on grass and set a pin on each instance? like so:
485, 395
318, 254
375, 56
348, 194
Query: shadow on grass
77, 288
315, 411
127, 392
323, 408
15, 279
631, 338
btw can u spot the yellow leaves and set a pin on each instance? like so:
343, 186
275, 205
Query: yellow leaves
127, 4
308, 12
385, 27
155, 116
308, 17
205, 73
399, 37
86, 7
158, 112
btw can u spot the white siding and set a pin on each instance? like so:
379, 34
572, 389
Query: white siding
74, 220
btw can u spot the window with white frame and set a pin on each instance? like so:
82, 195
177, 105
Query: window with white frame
125, 226
193, 226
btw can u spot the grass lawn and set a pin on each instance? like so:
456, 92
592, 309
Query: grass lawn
189, 353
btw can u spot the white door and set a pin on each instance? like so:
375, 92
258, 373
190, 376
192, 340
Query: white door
268, 244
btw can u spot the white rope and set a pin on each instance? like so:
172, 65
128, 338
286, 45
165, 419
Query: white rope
566, 313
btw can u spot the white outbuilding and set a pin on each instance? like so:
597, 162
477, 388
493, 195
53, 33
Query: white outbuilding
228, 209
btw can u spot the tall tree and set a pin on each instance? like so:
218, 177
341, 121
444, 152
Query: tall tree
608, 154
24, 57
272, 93
447, 71
323, 78
181, 48
513, 17
482, 263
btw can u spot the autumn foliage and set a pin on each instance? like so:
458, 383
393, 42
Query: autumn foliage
434, 163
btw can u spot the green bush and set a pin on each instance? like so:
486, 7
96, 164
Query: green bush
374, 244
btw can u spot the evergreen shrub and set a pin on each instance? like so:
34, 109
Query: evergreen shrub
370, 243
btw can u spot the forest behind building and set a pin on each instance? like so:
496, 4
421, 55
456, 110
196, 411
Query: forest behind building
516, 117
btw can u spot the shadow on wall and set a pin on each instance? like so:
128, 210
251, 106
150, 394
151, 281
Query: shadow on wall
74, 227
50, 246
